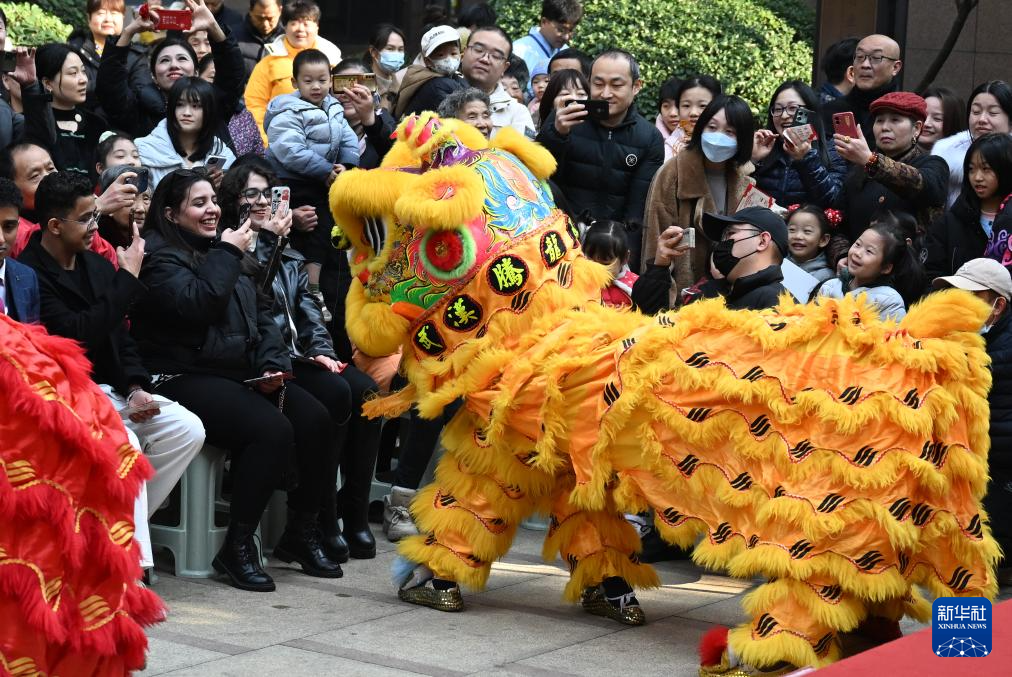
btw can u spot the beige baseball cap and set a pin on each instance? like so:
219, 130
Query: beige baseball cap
979, 275
438, 35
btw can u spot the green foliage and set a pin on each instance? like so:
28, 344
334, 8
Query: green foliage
31, 26
747, 47
69, 11
798, 14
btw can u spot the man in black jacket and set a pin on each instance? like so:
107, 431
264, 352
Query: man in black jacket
749, 247
606, 165
877, 64
260, 27
83, 297
991, 282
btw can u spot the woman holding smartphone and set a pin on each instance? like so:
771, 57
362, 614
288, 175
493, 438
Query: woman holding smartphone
209, 338
898, 176
186, 137
339, 387
807, 172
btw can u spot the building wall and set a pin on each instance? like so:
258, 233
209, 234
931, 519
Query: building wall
983, 51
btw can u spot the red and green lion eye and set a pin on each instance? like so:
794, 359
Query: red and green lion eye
448, 254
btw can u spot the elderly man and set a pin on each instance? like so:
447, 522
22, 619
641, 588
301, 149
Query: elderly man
483, 65
876, 64
990, 281
260, 27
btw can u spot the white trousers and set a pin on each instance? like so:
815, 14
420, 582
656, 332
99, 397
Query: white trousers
169, 440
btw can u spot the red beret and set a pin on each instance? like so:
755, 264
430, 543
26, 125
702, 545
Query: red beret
904, 103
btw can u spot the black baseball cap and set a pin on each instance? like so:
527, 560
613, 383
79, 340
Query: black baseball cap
760, 217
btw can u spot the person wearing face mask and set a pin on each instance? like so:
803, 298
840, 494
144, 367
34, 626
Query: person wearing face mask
898, 176
748, 248
385, 57
711, 175
990, 281
138, 110
424, 86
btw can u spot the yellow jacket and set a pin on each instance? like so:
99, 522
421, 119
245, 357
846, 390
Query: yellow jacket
272, 76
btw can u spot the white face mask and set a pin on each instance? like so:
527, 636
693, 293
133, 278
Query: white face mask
447, 66
987, 327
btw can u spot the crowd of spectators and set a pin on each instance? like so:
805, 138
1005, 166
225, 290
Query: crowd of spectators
136, 187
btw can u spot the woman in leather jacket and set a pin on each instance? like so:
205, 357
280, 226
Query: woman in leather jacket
204, 330
340, 387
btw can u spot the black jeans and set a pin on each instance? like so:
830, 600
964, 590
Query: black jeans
419, 443
261, 438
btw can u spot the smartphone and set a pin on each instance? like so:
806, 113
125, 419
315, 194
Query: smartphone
141, 180
8, 62
843, 123
280, 198
367, 80
802, 116
688, 238
244, 210
215, 162
597, 109
286, 376
170, 19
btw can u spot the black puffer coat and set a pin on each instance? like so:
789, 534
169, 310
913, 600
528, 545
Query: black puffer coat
607, 170
954, 238
202, 313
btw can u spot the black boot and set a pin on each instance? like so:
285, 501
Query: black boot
334, 545
301, 543
239, 559
353, 500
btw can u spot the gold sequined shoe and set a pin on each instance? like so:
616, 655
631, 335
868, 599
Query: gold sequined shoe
626, 608
426, 595
723, 669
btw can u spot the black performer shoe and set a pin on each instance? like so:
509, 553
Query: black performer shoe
614, 599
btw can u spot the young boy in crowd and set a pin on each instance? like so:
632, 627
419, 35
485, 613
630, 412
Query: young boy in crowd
514, 80
809, 231
19, 287
539, 83
310, 143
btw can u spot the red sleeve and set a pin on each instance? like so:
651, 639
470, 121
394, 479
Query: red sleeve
102, 247
25, 230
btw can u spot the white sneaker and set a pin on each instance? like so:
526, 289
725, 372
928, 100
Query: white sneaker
397, 520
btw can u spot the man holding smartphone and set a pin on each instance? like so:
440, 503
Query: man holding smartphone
607, 152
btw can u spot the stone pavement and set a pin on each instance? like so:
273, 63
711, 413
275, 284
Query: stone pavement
356, 626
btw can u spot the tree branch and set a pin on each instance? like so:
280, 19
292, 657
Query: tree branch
963, 9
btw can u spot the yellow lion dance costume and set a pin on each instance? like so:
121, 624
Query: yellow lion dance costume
840, 457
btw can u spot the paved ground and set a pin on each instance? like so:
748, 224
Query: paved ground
356, 626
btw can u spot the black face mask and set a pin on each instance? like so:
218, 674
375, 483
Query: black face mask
723, 260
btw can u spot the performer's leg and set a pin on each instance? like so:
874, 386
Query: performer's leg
469, 515
600, 547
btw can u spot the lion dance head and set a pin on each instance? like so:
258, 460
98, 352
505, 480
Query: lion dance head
452, 236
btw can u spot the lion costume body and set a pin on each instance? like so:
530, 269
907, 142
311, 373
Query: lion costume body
840, 457
70, 603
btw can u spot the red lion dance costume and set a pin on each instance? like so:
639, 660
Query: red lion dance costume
70, 603
841, 458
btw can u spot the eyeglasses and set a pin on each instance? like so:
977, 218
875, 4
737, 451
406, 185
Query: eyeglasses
791, 109
875, 59
254, 193
563, 28
481, 51
92, 220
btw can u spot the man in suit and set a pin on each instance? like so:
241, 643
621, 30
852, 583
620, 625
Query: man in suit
85, 298
19, 287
